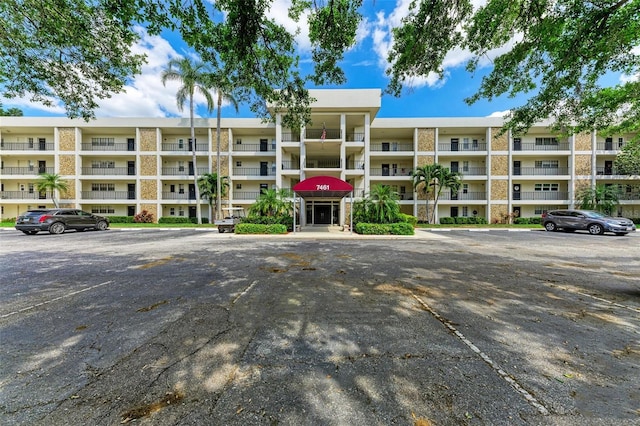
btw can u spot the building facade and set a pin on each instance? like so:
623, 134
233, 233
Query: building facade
121, 166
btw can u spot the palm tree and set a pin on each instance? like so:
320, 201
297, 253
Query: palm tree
603, 198
384, 207
424, 179
272, 202
445, 179
48, 182
223, 93
194, 78
209, 184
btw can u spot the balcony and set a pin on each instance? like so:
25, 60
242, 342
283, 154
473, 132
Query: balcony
392, 147
532, 146
108, 195
540, 195
323, 163
254, 171
178, 196
29, 171
323, 134
24, 195
184, 147
610, 146
386, 171
355, 165
183, 171
115, 146
109, 171
540, 171
246, 195
26, 146
290, 165
464, 146
473, 171
463, 196
291, 137
608, 171
254, 147
355, 137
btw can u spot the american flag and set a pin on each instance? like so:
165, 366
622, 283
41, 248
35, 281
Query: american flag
323, 136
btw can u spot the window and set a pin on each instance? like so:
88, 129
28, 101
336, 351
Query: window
547, 164
620, 142
238, 141
181, 188
30, 142
103, 187
102, 209
31, 186
465, 143
546, 141
180, 143
238, 163
172, 211
238, 186
465, 188
546, 187
172, 188
465, 211
181, 166
465, 166
181, 212
102, 141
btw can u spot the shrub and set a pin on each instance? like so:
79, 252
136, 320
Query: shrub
521, 221
409, 219
447, 221
120, 219
401, 228
372, 229
462, 220
258, 228
287, 221
143, 217
174, 219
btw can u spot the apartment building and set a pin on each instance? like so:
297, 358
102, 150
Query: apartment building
121, 166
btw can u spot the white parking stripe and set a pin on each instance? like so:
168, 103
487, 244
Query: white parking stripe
530, 398
73, 293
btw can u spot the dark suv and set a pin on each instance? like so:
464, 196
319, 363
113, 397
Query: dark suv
56, 221
595, 222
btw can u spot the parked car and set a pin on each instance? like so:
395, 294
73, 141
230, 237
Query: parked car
56, 221
595, 222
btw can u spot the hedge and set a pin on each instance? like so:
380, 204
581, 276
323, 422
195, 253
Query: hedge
120, 219
258, 228
182, 219
400, 228
463, 220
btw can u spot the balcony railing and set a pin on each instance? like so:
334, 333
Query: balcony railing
462, 146
540, 171
178, 196
357, 165
323, 164
291, 137
116, 146
392, 147
610, 146
463, 196
532, 146
246, 195
26, 146
24, 195
473, 171
32, 171
183, 171
109, 171
290, 165
184, 147
355, 137
627, 196
323, 134
390, 171
608, 171
254, 147
108, 195
254, 171
541, 195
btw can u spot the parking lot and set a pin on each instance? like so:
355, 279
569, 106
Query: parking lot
179, 327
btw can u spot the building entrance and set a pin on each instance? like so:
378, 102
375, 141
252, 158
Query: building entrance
323, 213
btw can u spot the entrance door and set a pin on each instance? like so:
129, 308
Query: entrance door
264, 168
264, 145
455, 144
608, 167
131, 144
131, 191
454, 166
42, 167
131, 210
42, 144
517, 170
322, 215
192, 211
454, 211
131, 168
192, 192
516, 191
385, 170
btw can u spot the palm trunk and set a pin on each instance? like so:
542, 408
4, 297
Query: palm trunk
218, 172
195, 166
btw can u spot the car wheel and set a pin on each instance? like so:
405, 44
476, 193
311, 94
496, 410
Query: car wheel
56, 228
596, 229
102, 225
550, 226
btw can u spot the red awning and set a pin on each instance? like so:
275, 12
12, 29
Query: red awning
323, 186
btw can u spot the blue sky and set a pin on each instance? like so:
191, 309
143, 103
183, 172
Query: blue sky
364, 65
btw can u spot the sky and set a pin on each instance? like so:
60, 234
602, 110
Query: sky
364, 65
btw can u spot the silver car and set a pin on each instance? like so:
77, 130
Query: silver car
595, 222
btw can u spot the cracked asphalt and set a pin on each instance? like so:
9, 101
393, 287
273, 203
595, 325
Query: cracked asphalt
189, 327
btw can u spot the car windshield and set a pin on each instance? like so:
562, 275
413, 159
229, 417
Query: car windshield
595, 215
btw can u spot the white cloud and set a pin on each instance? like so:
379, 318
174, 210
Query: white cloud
500, 114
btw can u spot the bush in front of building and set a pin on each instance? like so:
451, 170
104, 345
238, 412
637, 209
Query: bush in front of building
527, 220
259, 228
401, 228
120, 219
408, 219
463, 220
285, 220
398, 228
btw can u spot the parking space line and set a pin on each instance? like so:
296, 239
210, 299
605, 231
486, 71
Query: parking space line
530, 398
73, 293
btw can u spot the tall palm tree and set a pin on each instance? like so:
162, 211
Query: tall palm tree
194, 77
272, 202
220, 85
445, 179
210, 188
384, 207
48, 182
424, 180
